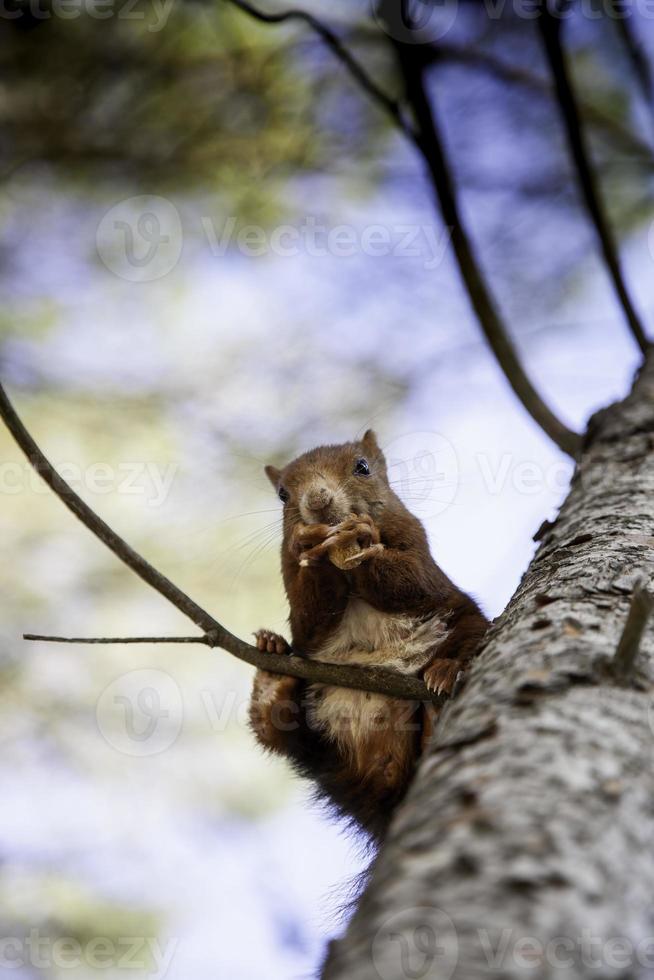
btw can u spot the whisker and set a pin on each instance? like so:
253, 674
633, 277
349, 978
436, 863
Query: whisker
247, 513
253, 537
256, 552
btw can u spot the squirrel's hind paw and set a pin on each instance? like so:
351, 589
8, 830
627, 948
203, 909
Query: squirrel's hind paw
441, 675
269, 642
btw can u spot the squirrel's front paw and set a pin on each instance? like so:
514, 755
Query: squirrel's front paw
349, 543
354, 558
269, 642
354, 541
441, 675
307, 541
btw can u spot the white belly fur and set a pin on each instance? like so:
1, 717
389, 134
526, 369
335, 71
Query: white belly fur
366, 636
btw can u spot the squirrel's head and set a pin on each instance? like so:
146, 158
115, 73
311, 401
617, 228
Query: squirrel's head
327, 484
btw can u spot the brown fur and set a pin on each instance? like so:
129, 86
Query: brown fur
363, 588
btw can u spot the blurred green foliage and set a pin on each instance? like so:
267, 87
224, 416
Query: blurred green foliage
173, 96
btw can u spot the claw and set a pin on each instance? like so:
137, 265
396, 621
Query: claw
441, 676
364, 555
269, 642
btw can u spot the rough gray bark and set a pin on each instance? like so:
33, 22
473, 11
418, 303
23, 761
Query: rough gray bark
526, 845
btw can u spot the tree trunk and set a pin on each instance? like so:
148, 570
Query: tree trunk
525, 847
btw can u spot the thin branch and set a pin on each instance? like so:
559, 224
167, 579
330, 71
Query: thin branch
488, 62
443, 52
427, 140
432, 147
334, 43
638, 59
95, 524
119, 639
640, 609
215, 634
550, 29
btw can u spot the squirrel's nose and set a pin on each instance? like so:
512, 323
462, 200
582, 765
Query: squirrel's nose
318, 498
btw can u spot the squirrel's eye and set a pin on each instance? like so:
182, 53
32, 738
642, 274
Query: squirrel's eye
361, 467
283, 495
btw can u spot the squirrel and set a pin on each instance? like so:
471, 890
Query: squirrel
363, 589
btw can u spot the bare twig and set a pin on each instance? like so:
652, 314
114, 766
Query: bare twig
640, 609
629, 141
432, 148
550, 29
334, 43
496, 67
215, 634
638, 59
204, 638
427, 140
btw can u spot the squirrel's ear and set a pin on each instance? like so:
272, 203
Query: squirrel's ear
273, 475
372, 450
369, 443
